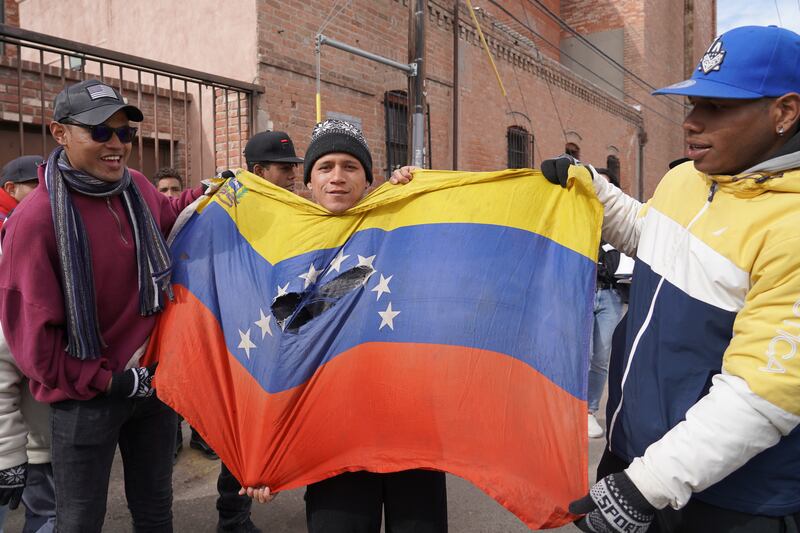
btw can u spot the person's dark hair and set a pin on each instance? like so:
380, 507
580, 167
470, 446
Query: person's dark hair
612, 177
251, 165
167, 172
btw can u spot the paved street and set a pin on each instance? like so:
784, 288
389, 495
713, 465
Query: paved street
470, 510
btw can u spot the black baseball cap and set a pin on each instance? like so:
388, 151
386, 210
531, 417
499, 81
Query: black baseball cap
91, 102
270, 147
21, 169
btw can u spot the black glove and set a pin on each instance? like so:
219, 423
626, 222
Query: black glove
614, 505
556, 170
133, 383
12, 483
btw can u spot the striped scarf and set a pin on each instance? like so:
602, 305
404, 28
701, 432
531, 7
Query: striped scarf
84, 340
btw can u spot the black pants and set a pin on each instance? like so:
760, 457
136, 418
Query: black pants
414, 501
701, 517
234, 510
85, 437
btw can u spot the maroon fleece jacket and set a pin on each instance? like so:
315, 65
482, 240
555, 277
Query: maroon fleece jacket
31, 298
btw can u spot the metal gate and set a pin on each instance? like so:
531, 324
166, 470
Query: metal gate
194, 121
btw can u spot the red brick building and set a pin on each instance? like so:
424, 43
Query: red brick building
576, 72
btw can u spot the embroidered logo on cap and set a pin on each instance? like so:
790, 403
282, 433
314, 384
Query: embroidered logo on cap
713, 57
101, 91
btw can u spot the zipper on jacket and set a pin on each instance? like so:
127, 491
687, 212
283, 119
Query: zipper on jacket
639, 334
711, 192
119, 224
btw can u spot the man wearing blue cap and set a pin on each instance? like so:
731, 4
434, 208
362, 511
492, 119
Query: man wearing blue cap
704, 385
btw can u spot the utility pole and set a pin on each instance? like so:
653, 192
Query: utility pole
416, 84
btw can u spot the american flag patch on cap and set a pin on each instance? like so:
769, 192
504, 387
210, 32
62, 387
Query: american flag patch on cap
101, 91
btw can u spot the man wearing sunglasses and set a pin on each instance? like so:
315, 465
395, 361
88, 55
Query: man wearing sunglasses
83, 275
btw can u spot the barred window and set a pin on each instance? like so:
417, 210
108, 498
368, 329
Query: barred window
395, 105
520, 144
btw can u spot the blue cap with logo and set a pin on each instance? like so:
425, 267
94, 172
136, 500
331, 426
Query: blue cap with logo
746, 62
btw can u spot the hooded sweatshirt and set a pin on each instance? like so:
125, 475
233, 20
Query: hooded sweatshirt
32, 302
704, 387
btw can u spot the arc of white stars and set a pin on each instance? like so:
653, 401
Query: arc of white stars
310, 276
387, 317
264, 324
245, 343
382, 287
336, 264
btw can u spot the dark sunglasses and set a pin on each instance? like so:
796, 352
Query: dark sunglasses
102, 132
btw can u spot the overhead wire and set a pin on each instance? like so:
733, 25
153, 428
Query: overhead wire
549, 43
546, 81
566, 26
332, 14
485, 46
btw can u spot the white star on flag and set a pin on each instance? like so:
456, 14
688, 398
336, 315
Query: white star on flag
310, 276
336, 264
366, 261
387, 317
382, 287
282, 290
245, 343
264, 324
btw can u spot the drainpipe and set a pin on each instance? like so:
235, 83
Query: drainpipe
456, 86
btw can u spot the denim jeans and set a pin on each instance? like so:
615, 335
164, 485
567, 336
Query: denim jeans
608, 308
85, 435
234, 510
39, 499
414, 501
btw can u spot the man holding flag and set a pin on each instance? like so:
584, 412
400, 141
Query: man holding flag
338, 169
704, 386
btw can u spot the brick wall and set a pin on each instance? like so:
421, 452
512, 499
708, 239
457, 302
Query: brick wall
231, 127
542, 97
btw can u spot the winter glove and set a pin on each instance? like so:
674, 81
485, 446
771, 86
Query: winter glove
614, 505
556, 170
12, 482
133, 383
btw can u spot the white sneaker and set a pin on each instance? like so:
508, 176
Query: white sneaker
595, 429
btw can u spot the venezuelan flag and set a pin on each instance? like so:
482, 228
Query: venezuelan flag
443, 324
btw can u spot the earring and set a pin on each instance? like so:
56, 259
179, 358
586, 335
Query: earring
780, 131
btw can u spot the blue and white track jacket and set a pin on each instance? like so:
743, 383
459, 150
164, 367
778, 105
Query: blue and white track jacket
704, 384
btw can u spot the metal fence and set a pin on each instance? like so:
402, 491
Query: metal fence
194, 121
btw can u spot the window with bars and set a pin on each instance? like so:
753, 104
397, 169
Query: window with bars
396, 111
520, 144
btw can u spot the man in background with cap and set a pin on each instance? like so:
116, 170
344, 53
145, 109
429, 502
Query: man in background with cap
338, 170
270, 154
704, 384
18, 178
82, 278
